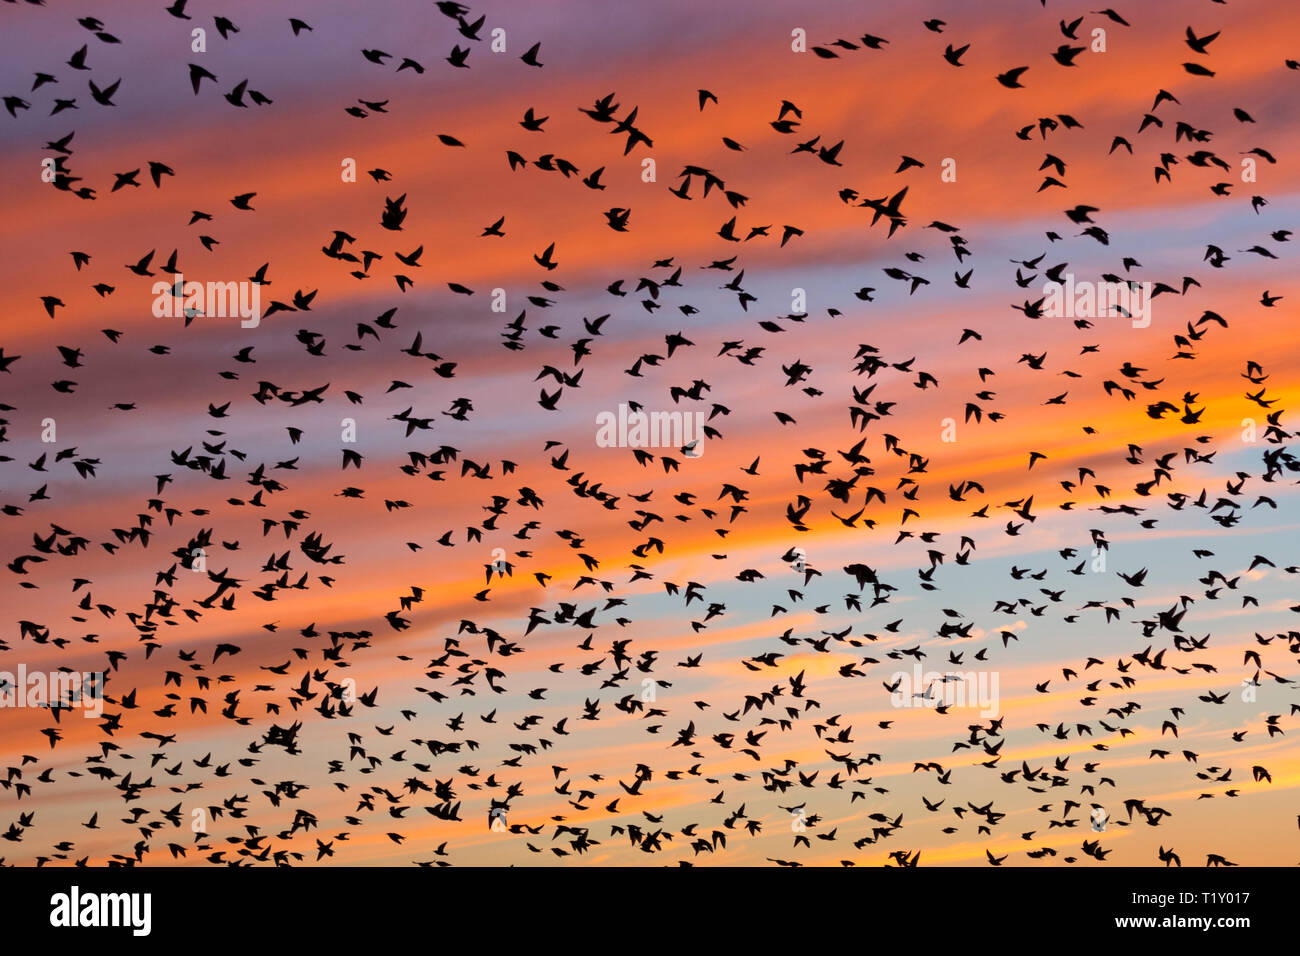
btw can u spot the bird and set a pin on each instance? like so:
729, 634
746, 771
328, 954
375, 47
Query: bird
104, 96
1011, 78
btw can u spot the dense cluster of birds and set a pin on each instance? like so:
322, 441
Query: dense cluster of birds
601, 742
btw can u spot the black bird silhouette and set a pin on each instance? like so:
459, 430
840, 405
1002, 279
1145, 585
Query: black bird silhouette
921, 520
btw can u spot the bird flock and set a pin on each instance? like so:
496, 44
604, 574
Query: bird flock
964, 533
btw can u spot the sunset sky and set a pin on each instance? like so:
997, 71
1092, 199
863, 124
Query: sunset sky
901, 100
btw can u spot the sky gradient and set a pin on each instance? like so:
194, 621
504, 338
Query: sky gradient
1005, 579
